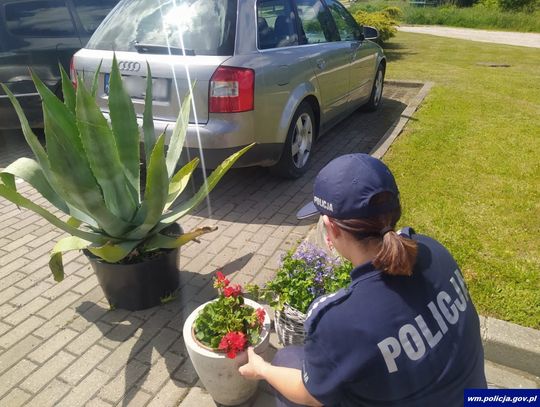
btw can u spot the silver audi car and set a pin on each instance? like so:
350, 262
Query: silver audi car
274, 72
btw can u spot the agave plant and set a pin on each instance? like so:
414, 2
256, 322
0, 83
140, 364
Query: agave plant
90, 170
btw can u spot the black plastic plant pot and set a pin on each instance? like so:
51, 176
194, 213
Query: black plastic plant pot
140, 285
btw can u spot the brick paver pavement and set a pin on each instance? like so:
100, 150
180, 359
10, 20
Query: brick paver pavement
60, 345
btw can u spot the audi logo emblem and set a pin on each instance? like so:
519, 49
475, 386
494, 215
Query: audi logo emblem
129, 66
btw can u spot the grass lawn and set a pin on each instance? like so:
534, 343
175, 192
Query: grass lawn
468, 165
478, 16
473, 17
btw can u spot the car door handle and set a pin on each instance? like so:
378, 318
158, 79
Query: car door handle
321, 63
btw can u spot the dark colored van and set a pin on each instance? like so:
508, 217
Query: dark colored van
39, 34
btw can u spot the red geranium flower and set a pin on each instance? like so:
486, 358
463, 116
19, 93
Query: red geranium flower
221, 281
232, 343
232, 291
261, 313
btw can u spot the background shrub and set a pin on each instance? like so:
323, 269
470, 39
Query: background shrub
381, 20
512, 15
393, 12
519, 5
486, 15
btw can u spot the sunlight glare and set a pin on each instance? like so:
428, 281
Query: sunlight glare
181, 17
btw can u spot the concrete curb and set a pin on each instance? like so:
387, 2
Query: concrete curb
511, 345
394, 131
505, 343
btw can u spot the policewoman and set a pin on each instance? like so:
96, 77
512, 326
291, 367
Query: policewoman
404, 333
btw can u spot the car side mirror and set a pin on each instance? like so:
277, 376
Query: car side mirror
371, 33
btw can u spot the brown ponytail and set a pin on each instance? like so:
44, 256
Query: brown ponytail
398, 253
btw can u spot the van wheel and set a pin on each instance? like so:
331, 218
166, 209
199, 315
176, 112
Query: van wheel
297, 150
376, 91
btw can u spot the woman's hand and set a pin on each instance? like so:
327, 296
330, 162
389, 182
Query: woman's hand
285, 380
255, 368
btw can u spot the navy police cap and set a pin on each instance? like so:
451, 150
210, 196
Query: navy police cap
344, 187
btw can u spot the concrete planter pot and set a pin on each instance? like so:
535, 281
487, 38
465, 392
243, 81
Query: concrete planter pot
218, 373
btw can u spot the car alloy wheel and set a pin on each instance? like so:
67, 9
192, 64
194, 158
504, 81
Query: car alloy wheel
302, 140
378, 87
376, 90
297, 149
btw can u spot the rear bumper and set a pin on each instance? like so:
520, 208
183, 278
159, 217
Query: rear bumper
31, 105
221, 137
259, 155
220, 132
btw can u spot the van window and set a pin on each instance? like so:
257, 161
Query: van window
49, 18
92, 12
196, 27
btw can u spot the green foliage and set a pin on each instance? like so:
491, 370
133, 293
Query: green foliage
393, 12
377, 5
91, 171
304, 275
384, 21
168, 298
474, 140
486, 15
228, 314
519, 5
489, 4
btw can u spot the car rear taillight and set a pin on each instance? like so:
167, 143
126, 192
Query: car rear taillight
231, 90
73, 73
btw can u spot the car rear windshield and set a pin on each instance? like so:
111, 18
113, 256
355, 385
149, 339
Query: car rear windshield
196, 27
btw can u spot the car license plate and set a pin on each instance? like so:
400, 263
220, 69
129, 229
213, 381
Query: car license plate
135, 86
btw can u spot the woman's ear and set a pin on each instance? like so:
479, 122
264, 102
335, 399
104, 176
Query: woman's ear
332, 230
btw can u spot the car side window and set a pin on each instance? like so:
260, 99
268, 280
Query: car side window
92, 12
316, 22
276, 24
49, 18
348, 28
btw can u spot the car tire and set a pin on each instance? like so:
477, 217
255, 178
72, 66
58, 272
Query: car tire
376, 91
297, 150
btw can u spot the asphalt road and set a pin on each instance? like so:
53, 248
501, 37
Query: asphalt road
531, 40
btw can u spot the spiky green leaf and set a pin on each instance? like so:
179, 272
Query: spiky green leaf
103, 156
125, 129
160, 241
74, 222
179, 181
205, 189
95, 80
71, 175
43, 159
30, 171
8, 180
113, 253
64, 245
19, 200
178, 136
67, 90
30, 137
156, 191
148, 117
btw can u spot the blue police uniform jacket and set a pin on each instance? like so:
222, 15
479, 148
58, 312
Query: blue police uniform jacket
396, 340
